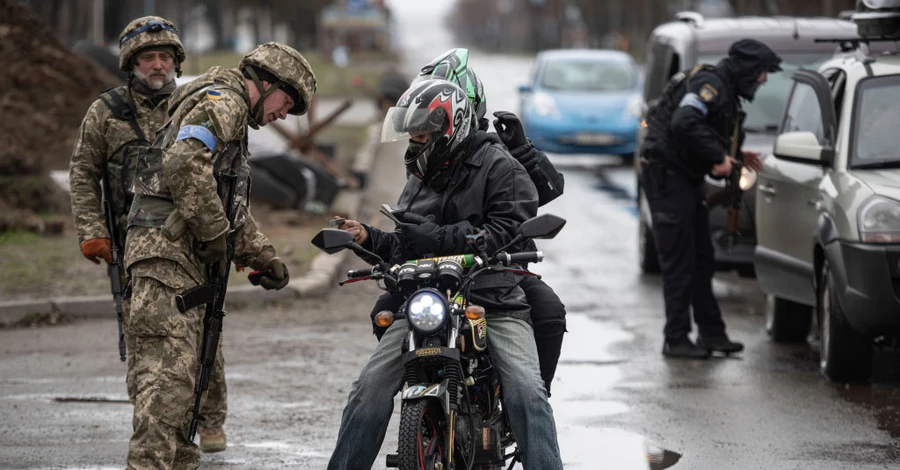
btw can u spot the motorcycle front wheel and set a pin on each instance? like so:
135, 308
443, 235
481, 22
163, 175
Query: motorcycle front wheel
422, 439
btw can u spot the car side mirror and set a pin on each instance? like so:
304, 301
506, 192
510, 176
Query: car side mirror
802, 147
332, 240
524, 89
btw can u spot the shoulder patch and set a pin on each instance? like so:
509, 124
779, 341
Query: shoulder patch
708, 93
213, 95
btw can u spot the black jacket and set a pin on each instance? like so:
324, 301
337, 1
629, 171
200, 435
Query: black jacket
490, 190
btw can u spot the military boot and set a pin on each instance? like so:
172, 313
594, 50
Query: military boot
684, 348
719, 343
212, 440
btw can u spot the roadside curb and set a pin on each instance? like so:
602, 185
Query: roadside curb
323, 270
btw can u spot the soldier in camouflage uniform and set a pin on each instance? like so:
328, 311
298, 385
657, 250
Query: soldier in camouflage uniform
177, 230
117, 128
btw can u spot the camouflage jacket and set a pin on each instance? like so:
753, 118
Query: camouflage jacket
102, 149
219, 102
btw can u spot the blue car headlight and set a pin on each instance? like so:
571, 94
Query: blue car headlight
544, 105
634, 107
427, 311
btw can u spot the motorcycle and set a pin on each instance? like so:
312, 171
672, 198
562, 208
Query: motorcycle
452, 415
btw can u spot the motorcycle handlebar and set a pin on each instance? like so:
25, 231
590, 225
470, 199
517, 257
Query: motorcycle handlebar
355, 273
507, 259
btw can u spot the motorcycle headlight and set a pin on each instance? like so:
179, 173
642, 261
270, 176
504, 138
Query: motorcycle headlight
427, 311
748, 178
879, 220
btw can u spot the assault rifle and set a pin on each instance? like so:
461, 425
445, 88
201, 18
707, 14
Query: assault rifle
114, 270
213, 295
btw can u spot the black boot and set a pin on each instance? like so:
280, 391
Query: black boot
684, 348
719, 344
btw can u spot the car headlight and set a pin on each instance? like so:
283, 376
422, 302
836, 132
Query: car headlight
427, 311
748, 178
544, 105
634, 107
879, 220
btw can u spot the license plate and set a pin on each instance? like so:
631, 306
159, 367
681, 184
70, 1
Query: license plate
594, 139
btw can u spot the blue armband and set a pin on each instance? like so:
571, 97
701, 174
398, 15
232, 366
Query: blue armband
200, 133
691, 99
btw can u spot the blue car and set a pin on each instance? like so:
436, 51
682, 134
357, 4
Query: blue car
582, 101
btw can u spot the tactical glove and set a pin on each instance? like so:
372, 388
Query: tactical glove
213, 250
275, 275
509, 129
97, 248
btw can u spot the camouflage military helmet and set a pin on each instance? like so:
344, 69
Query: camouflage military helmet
289, 66
146, 32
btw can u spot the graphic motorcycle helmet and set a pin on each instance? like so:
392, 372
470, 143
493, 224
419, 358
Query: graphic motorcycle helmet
148, 31
438, 108
453, 66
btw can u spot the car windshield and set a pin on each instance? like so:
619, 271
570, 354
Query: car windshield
588, 75
765, 112
875, 117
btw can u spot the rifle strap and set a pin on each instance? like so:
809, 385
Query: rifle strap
122, 110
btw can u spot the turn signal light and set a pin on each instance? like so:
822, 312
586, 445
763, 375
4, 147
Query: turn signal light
474, 312
384, 318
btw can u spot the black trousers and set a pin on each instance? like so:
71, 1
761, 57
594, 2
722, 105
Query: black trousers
548, 317
686, 254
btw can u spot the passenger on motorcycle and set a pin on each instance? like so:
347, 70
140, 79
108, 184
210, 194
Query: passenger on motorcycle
465, 181
548, 314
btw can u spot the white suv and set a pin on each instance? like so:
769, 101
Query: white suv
828, 210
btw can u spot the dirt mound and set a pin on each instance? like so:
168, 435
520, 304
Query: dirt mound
46, 89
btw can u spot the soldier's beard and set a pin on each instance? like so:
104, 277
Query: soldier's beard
154, 82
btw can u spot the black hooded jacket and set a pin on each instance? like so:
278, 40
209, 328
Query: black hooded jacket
489, 190
707, 116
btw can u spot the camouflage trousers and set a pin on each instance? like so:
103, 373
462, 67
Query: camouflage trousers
162, 367
215, 408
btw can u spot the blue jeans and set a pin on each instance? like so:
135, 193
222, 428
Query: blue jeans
514, 356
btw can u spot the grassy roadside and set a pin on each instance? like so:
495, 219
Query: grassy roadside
39, 267
331, 81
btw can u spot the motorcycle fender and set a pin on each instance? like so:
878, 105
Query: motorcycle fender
478, 328
416, 392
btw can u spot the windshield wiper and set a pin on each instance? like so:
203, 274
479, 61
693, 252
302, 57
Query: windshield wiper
887, 163
762, 130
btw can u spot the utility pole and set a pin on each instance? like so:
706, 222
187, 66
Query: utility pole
97, 23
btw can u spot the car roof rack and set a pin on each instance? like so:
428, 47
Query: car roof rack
853, 45
690, 17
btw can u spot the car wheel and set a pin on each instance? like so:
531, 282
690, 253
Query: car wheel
845, 355
647, 254
786, 321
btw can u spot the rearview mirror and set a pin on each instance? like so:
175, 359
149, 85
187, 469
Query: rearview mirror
332, 240
542, 226
802, 147
525, 89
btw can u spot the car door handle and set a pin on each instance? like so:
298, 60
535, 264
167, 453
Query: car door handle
814, 202
768, 190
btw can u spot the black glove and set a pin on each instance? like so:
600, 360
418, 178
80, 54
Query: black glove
510, 130
211, 251
422, 236
275, 275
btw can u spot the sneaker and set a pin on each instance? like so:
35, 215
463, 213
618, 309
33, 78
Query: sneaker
719, 344
212, 440
684, 348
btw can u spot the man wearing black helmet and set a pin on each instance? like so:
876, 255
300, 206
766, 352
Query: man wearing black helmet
693, 130
548, 314
465, 181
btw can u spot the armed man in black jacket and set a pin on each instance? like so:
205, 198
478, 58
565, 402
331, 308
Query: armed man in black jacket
465, 181
695, 129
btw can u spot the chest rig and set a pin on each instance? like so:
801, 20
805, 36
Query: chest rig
129, 144
154, 203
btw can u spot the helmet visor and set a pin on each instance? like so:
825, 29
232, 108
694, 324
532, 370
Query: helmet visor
400, 123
